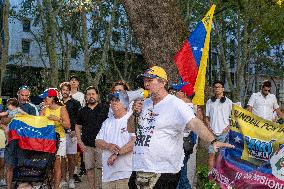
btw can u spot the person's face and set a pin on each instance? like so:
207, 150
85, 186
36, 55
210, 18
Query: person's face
11, 107
74, 83
116, 105
180, 94
265, 90
48, 101
153, 85
24, 95
218, 89
91, 96
118, 88
65, 92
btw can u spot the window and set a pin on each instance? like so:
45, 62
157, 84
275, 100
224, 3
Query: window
232, 61
214, 59
26, 25
232, 77
74, 52
26, 46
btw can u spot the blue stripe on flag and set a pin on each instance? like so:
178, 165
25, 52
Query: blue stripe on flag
25, 130
196, 41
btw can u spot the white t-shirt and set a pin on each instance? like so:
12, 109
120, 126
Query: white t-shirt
159, 138
115, 131
80, 97
219, 114
263, 106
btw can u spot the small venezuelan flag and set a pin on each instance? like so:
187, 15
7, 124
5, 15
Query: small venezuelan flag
34, 133
191, 59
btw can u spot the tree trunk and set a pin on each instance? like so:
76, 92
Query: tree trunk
159, 30
85, 46
5, 47
50, 16
106, 44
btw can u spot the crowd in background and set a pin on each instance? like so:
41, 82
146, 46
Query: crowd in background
130, 141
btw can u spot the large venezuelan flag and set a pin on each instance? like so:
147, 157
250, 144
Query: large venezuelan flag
191, 59
34, 133
257, 161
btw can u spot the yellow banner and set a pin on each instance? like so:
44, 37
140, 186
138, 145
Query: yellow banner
262, 138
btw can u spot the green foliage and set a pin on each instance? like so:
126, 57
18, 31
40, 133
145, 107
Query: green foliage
202, 179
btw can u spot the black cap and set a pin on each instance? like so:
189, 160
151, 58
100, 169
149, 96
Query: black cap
74, 77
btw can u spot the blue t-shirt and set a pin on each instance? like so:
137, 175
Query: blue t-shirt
29, 108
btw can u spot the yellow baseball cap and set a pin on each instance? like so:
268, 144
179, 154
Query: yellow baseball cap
154, 72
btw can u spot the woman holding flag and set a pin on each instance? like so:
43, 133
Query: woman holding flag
56, 112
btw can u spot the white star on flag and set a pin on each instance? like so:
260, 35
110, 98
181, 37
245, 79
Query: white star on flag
237, 139
201, 49
195, 48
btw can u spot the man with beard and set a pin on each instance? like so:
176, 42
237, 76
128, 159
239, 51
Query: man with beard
72, 107
89, 121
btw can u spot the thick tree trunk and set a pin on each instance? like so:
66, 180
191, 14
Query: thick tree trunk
5, 47
159, 30
52, 43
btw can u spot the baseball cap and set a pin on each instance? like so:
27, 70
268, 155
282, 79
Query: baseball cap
185, 87
74, 77
155, 72
50, 92
121, 96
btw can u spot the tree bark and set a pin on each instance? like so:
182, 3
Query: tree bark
159, 30
5, 47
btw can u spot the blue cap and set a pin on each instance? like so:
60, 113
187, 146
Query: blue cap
121, 96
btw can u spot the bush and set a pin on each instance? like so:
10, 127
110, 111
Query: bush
203, 181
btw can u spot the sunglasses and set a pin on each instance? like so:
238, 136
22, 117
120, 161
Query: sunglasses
24, 87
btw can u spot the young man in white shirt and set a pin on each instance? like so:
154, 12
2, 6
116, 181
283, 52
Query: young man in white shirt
117, 144
218, 112
159, 123
263, 103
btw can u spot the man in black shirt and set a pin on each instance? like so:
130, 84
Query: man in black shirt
88, 125
72, 107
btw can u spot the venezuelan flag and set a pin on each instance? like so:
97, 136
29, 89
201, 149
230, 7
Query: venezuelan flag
34, 133
191, 59
257, 161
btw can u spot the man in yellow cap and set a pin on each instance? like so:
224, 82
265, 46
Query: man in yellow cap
159, 123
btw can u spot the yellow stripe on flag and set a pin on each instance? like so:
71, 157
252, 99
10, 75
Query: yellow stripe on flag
34, 121
200, 80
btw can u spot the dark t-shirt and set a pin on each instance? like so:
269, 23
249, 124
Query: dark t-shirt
29, 108
73, 107
91, 121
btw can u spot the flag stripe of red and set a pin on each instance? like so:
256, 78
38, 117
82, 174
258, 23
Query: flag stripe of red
186, 63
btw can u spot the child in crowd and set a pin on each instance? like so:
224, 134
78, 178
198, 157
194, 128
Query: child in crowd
13, 109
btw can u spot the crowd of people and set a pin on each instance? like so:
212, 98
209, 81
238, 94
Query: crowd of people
130, 141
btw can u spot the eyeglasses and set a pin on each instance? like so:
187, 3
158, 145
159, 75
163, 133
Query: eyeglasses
216, 87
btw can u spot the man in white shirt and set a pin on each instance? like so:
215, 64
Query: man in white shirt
218, 112
263, 103
159, 124
117, 144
